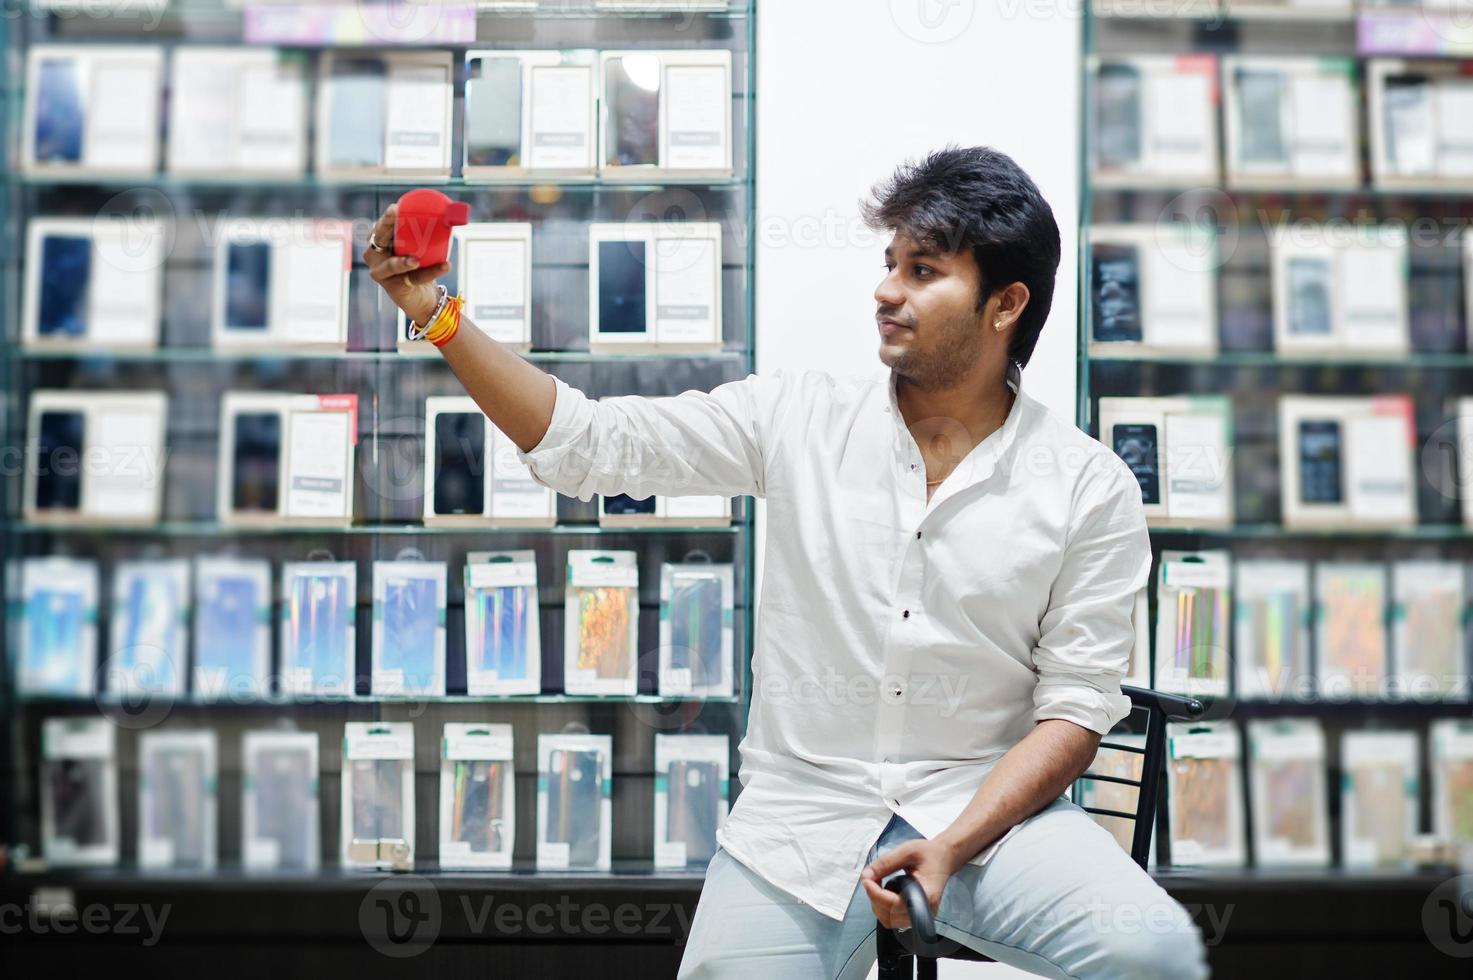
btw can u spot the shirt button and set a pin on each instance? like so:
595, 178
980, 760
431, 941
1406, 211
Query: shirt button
918, 535
905, 615
912, 466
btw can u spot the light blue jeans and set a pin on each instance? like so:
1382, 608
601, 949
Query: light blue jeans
1058, 899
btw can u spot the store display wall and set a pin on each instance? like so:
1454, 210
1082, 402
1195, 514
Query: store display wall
1274, 337
238, 150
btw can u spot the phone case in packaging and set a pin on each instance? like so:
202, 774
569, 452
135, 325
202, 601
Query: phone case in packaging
176, 800
1350, 634
1154, 119
123, 428
1378, 798
1452, 780
517, 499
384, 113
1290, 119
1272, 612
378, 794
408, 628
1180, 451
477, 797
91, 109
1427, 628
665, 113
281, 283
696, 630
601, 624
79, 792
1106, 795
1347, 461
279, 802
1152, 289
456, 468
1193, 595
1205, 795
150, 624
574, 801
93, 286
691, 774
58, 654
1290, 799
232, 628
529, 112
503, 628
319, 605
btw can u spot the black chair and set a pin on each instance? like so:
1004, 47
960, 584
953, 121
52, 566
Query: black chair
896, 948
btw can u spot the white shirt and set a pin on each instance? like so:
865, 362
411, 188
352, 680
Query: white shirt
903, 646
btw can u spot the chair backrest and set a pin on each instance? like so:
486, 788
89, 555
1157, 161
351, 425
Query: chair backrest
1156, 709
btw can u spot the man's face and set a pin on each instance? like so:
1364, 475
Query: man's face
931, 332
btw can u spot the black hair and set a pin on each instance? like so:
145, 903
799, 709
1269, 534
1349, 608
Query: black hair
979, 199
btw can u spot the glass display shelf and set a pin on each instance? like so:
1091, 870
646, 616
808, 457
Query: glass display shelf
387, 500
1147, 186
1176, 10
1342, 709
485, 10
1272, 359
107, 701
185, 529
206, 355
635, 870
630, 870
1421, 532
537, 186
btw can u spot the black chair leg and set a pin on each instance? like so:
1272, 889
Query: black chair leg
892, 958
925, 968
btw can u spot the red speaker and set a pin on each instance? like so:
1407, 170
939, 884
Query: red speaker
422, 225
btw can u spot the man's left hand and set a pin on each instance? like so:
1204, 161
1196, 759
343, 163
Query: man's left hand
930, 862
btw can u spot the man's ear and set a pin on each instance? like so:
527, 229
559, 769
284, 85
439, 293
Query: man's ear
1011, 301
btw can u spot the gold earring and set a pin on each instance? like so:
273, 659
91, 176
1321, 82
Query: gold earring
997, 324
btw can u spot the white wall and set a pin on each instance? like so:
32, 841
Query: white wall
847, 89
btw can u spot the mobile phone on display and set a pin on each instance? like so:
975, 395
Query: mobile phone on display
1320, 462
1137, 445
493, 112
460, 463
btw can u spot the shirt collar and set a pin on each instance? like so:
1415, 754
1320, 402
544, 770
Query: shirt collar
989, 450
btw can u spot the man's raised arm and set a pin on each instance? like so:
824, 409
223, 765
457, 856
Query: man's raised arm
516, 395
694, 443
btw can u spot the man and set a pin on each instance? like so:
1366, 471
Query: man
946, 613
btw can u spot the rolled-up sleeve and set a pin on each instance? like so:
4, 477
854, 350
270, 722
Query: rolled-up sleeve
1087, 633
694, 443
